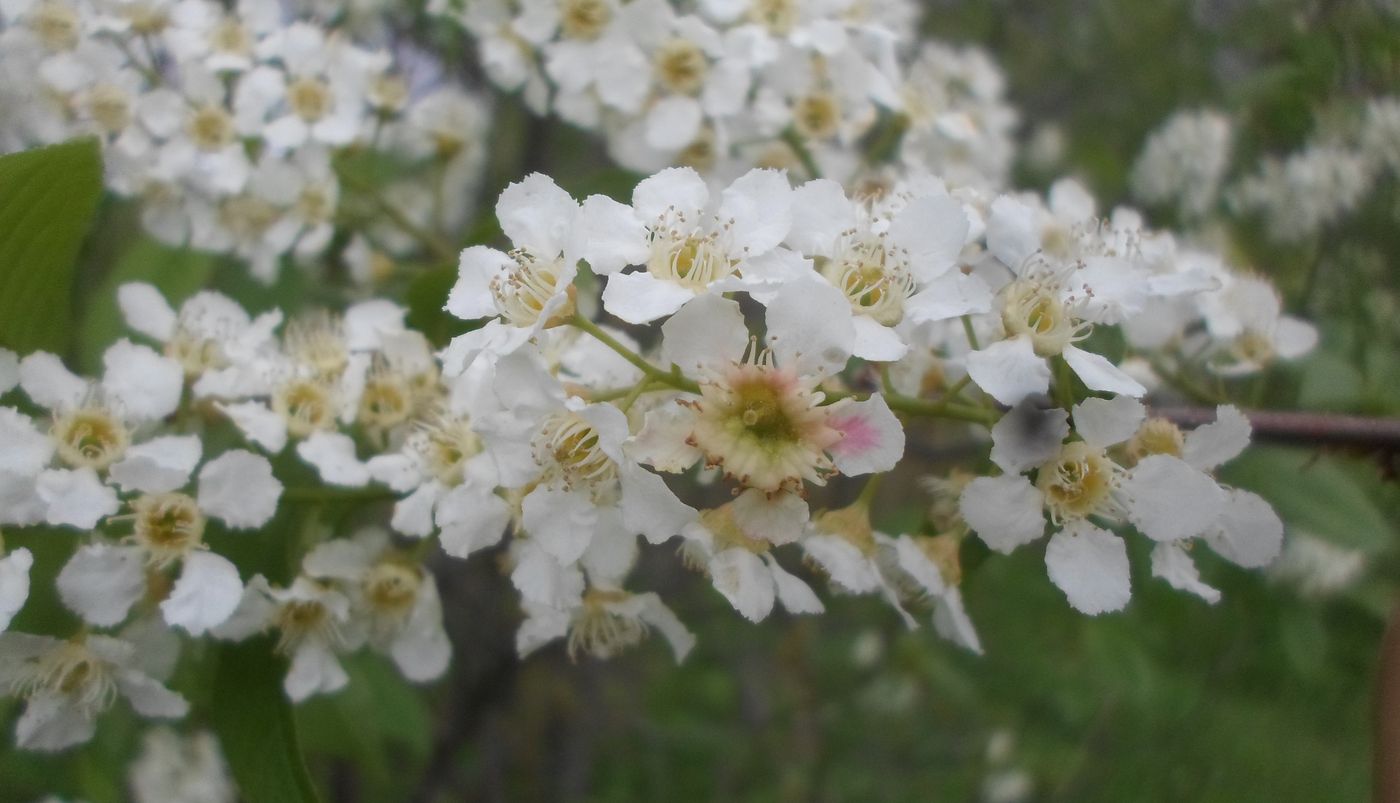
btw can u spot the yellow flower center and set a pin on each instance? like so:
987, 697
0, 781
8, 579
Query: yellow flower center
522, 294
1156, 436
56, 24
1034, 309
817, 116
447, 445
90, 437
778, 16
310, 98
584, 19
168, 526
681, 66
873, 283
692, 261
211, 128
306, 406
317, 341
1078, 482
110, 107
72, 671
391, 588
570, 447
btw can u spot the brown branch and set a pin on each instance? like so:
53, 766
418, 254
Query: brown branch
1386, 753
1304, 429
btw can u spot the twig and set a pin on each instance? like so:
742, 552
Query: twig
1304, 428
1385, 770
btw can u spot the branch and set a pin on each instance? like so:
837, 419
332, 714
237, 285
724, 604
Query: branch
1303, 428
1385, 771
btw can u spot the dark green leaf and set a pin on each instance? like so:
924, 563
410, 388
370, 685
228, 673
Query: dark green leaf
255, 726
47, 199
1323, 495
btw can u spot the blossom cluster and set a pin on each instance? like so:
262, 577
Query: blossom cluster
723, 86
545, 425
229, 125
1185, 162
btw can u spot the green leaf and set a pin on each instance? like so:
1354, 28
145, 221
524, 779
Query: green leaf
177, 273
47, 200
254, 722
1323, 495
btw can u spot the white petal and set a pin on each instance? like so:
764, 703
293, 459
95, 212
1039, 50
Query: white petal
413, 515
314, 670
843, 562
1027, 436
1005, 511
642, 298
49, 384
876, 342
778, 519
1009, 370
673, 122
368, 323
145, 385
561, 522
146, 310
159, 465
744, 579
655, 614
609, 235
52, 722
1249, 532
471, 297
535, 212
820, 212
258, 423
1104, 422
1013, 232
101, 582
540, 578
872, 439
205, 596
471, 519
1218, 442
795, 595
1294, 337
1098, 373
951, 621
650, 507
948, 296
238, 488
675, 190
1171, 563
930, 233
149, 698
26, 450
810, 329
75, 498
14, 584
708, 330
1169, 500
662, 442
1090, 565
333, 456
758, 209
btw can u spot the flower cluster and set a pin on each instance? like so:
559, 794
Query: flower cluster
232, 126
723, 86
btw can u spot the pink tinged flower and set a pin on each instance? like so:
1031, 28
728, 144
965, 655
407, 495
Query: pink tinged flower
872, 439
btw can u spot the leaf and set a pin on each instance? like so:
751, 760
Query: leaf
426, 295
177, 273
47, 200
1323, 495
254, 722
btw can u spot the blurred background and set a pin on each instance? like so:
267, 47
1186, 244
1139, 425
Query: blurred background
1266, 696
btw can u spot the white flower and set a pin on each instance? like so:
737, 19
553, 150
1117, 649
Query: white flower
741, 566
14, 584
397, 598
67, 684
102, 581
687, 241
173, 768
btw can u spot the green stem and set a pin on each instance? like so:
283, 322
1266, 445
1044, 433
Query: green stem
971, 333
941, 409
799, 147
867, 494
671, 378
